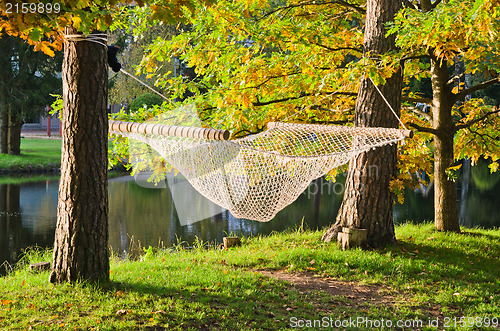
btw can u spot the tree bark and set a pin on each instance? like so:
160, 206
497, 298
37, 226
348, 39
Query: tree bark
445, 195
14, 134
4, 121
367, 201
5, 81
81, 240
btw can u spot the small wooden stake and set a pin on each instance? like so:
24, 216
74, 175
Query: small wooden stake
351, 238
231, 241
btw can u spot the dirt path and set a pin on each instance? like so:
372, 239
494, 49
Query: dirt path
357, 294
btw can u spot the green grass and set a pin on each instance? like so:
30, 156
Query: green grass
35, 154
428, 275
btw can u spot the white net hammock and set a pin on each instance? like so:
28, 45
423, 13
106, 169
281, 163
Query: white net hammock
257, 176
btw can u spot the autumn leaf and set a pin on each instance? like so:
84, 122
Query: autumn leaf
77, 21
6, 302
121, 312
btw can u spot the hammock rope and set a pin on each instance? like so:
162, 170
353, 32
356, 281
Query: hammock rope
98, 38
256, 176
388, 104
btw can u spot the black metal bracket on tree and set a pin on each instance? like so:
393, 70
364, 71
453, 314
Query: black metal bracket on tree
112, 60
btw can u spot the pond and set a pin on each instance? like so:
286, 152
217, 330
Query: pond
139, 217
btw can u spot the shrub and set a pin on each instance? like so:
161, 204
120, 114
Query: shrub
145, 100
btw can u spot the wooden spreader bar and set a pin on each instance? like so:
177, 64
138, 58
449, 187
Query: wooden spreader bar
169, 130
270, 125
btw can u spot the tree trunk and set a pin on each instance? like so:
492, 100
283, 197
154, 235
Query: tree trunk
81, 241
5, 82
14, 134
445, 195
4, 119
367, 201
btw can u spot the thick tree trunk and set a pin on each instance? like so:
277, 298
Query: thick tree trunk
81, 241
4, 120
367, 201
14, 136
5, 81
445, 195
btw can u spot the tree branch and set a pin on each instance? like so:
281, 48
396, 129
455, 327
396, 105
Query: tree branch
425, 5
247, 133
455, 78
352, 6
270, 102
339, 122
475, 88
409, 4
422, 128
335, 49
422, 100
314, 3
415, 57
486, 143
270, 78
471, 123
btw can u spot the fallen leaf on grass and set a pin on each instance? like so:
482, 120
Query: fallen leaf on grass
435, 312
118, 294
160, 312
6, 302
121, 312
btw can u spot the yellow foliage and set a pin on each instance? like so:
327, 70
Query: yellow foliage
44, 46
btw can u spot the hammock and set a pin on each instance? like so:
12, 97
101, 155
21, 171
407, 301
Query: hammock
257, 176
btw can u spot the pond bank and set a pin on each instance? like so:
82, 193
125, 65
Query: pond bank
427, 277
38, 155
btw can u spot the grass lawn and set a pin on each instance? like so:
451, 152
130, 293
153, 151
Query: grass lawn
36, 153
429, 277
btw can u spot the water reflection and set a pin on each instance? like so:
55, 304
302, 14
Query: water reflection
27, 217
159, 223
478, 194
141, 216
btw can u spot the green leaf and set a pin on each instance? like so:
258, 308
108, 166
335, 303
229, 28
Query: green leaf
36, 34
